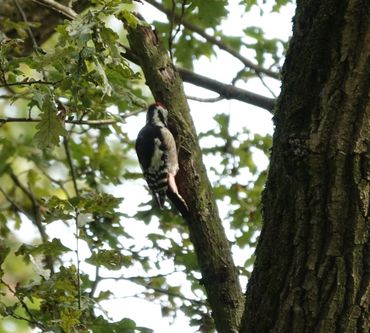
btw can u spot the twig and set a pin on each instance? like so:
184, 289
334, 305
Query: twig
57, 7
215, 41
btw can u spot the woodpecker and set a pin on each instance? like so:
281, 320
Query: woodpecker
156, 150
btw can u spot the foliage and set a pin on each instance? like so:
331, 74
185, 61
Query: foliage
65, 169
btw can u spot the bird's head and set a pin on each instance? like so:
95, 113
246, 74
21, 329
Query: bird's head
157, 114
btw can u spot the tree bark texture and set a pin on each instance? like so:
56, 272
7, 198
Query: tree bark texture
219, 274
312, 269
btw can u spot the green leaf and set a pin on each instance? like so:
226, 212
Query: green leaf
70, 319
4, 251
58, 209
126, 325
54, 248
96, 203
111, 259
50, 128
128, 18
209, 13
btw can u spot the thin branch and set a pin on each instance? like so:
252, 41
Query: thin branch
14, 203
205, 100
239, 76
32, 319
35, 217
265, 85
28, 83
55, 181
172, 35
35, 205
98, 122
95, 283
226, 91
77, 214
215, 41
14, 96
160, 290
57, 7
29, 31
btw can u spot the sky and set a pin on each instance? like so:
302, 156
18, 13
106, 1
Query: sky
275, 25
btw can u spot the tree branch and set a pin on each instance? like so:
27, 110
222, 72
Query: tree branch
226, 91
57, 7
24, 18
215, 41
205, 100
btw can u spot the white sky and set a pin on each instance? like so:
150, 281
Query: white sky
222, 68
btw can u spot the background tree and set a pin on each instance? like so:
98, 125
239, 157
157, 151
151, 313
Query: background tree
78, 86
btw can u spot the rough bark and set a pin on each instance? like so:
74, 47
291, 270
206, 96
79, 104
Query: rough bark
219, 274
312, 269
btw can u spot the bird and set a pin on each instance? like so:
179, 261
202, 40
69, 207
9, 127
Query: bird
157, 154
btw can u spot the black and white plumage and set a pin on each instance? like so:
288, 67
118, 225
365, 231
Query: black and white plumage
157, 154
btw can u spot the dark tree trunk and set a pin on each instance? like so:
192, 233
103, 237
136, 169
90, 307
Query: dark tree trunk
312, 269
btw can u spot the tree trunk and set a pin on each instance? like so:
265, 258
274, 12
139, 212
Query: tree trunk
312, 268
219, 274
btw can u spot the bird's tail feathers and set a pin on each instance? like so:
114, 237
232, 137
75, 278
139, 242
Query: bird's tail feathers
179, 202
